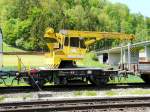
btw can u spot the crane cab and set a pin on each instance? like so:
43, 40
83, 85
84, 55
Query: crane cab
64, 50
74, 47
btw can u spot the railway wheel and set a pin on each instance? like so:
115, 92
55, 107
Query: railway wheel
98, 81
36, 79
63, 81
37, 82
146, 78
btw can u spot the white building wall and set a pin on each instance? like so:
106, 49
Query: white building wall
147, 53
114, 58
134, 56
100, 58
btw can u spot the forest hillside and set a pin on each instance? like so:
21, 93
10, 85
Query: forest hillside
24, 21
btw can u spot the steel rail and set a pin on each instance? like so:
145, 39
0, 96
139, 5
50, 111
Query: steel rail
76, 104
22, 89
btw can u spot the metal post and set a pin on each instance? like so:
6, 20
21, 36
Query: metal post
1, 49
145, 51
129, 56
121, 63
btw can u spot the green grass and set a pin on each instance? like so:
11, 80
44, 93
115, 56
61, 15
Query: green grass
78, 93
9, 80
2, 98
90, 93
139, 92
32, 60
91, 61
8, 48
129, 79
11, 61
85, 93
111, 93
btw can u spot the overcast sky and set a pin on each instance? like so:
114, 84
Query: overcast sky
136, 6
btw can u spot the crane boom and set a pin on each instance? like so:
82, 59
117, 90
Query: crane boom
87, 35
97, 35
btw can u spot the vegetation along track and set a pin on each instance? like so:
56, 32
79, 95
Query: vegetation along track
22, 89
76, 104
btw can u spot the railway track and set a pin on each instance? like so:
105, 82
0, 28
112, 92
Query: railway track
21, 89
77, 104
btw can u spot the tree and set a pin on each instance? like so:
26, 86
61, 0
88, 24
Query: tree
24, 21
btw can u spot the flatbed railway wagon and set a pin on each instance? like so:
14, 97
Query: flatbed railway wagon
65, 48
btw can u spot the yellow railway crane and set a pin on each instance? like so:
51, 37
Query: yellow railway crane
67, 46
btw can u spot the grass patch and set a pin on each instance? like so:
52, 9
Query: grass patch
85, 93
32, 60
8, 48
129, 79
91, 93
90, 60
78, 93
111, 93
8, 81
2, 98
139, 92
11, 61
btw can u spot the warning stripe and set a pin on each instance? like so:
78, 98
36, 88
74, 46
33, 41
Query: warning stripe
53, 65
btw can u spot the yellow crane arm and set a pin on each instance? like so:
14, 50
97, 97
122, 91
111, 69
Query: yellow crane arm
90, 37
97, 35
